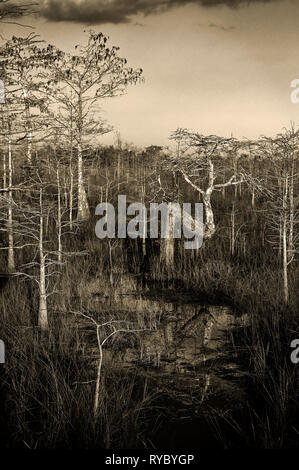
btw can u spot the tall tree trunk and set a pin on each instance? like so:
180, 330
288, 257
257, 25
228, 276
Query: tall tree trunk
83, 209
71, 194
280, 238
223, 189
284, 244
233, 230
244, 245
209, 227
65, 194
111, 263
59, 217
11, 260
43, 312
144, 222
167, 244
71, 173
4, 171
292, 210
253, 198
28, 126
118, 169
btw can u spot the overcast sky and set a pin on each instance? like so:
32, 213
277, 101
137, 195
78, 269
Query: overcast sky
214, 66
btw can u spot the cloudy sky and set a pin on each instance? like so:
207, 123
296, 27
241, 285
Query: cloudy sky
214, 66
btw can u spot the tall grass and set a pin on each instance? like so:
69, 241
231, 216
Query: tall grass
47, 389
47, 383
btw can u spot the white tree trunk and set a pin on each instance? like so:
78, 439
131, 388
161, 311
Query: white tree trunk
209, 227
83, 209
167, 244
253, 198
144, 222
71, 195
111, 263
59, 218
118, 170
42, 312
292, 211
285, 264
233, 230
71, 172
98, 380
28, 125
284, 245
280, 237
4, 171
11, 260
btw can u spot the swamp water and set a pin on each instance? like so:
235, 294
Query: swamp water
183, 350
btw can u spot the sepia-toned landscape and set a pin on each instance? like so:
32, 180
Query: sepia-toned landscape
137, 339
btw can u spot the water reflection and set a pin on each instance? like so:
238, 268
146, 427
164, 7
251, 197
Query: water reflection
180, 338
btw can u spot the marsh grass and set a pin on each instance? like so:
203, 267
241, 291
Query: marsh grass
47, 383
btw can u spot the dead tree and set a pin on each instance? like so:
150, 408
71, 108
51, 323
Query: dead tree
102, 338
201, 161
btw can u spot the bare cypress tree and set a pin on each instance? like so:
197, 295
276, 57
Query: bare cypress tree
20, 58
32, 213
201, 163
78, 84
283, 215
9, 132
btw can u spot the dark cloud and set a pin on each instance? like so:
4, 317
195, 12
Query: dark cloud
14, 10
121, 11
